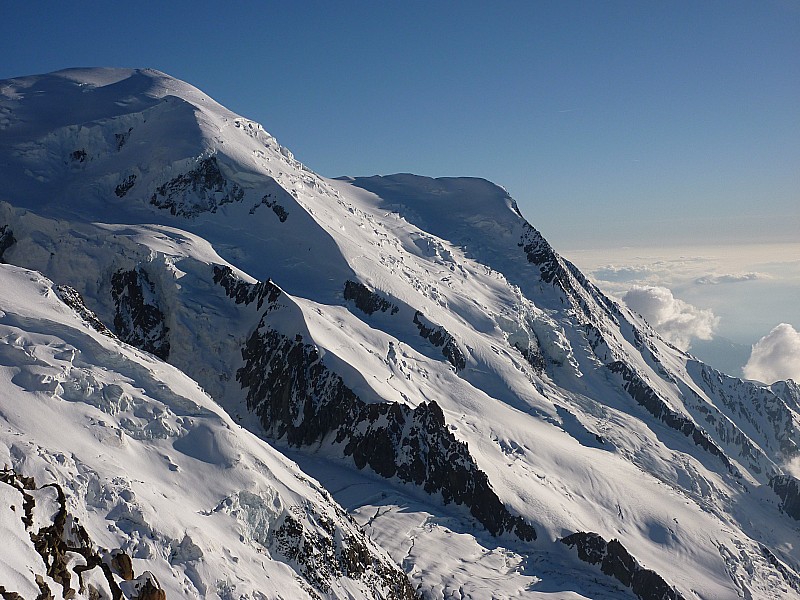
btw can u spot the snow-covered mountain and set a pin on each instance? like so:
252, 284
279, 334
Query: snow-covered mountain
487, 416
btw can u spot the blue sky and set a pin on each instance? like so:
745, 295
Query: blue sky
658, 125
610, 122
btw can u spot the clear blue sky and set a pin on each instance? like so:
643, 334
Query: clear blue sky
618, 122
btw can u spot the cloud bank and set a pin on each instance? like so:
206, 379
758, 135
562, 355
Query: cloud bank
676, 320
716, 279
776, 356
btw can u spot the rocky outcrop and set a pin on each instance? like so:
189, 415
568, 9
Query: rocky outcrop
767, 412
245, 293
74, 300
299, 399
563, 274
366, 300
124, 186
58, 540
6, 240
137, 319
272, 202
615, 561
788, 489
441, 338
122, 138
331, 553
203, 189
645, 396
789, 575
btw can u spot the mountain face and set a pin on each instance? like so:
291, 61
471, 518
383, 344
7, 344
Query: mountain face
178, 290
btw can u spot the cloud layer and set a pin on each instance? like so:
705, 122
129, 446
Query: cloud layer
676, 320
776, 356
716, 279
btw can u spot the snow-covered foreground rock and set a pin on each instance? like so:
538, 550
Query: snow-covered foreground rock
499, 426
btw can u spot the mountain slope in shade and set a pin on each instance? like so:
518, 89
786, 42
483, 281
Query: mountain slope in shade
490, 418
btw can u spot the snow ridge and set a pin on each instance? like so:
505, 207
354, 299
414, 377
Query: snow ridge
414, 343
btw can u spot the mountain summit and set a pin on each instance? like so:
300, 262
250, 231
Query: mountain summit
480, 419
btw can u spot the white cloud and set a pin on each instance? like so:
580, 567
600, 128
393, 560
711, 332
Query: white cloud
716, 279
622, 273
676, 320
776, 356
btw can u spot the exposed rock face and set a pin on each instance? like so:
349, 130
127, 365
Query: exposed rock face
272, 202
324, 557
439, 337
788, 489
561, 273
6, 240
125, 185
366, 300
645, 396
74, 300
788, 391
533, 355
138, 320
788, 574
616, 561
203, 189
242, 292
56, 541
767, 410
122, 138
299, 399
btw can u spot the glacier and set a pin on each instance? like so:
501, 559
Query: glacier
254, 381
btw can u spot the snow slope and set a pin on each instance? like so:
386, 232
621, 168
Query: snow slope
151, 467
498, 425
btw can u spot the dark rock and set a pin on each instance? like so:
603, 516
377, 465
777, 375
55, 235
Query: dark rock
533, 355
203, 189
74, 300
6, 595
788, 574
617, 562
788, 489
299, 399
122, 565
56, 541
7, 240
440, 337
272, 202
78, 155
125, 185
645, 396
122, 138
332, 553
366, 300
563, 274
150, 591
138, 320
243, 292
